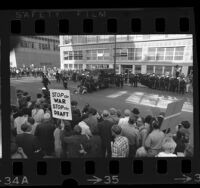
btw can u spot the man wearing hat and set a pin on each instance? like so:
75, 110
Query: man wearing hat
135, 113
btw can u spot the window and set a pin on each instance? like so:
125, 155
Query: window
100, 54
80, 66
75, 66
122, 54
131, 53
152, 53
66, 66
106, 54
137, 68
121, 38
70, 66
104, 38
179, 52
138, 53
158, 69
169, 53
168, 69
160, 54
150, 68
70, 55
91, 39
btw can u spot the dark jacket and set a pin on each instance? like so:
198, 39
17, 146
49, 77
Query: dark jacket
44, 133
29, 144
105, 133
95, 147
74, 143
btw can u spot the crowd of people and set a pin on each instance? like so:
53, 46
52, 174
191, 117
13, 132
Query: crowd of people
91, 133
179, 84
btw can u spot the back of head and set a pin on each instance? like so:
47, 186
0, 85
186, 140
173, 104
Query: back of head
92, 111
148, 119
116, 129
74, 103
77, 130
154, 123
26, 127
105, 113
113, 111
135, 111
127, 112
39, 95
185, 124
25, 111
31, 120
168, 144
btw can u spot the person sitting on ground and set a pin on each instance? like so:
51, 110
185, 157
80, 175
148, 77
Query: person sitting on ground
154, 139
120, 146
168, 147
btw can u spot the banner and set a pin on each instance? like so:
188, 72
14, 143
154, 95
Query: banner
171, 116
13, 96
61, 104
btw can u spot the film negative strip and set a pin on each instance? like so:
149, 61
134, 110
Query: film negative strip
99, 97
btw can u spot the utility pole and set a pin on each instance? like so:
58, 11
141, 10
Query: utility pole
115, 43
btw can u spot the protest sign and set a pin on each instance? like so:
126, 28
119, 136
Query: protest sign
171, 116
13, 96
61, 104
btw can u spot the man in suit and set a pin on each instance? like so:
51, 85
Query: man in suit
106, 134
28, 142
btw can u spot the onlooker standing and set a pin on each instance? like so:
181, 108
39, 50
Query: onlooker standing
154, 139
168, 147
28, 142
44, 133
130, 132
21, 119
105, 134
143, 131
92, 121
76, 114
120, 146
38, 113
125, 120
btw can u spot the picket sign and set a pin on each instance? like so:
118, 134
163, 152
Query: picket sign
171, 116
61, 104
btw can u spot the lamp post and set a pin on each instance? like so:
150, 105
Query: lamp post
115, 42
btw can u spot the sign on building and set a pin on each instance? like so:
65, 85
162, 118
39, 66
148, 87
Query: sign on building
171, 116
61, 104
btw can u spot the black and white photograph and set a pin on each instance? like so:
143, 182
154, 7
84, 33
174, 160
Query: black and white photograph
0, 109
101, 96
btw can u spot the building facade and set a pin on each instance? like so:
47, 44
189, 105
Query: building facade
36, 50
134, 53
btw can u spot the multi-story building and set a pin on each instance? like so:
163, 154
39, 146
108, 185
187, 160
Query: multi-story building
134, 53
36, 50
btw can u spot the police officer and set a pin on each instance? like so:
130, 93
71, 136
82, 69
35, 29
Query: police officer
121, 80
65, 82
46, 81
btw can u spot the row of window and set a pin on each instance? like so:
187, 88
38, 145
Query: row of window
169, 53
154, 53
79, 39
41, 46
44, 39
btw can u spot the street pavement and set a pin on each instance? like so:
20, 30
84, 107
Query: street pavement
148, 101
